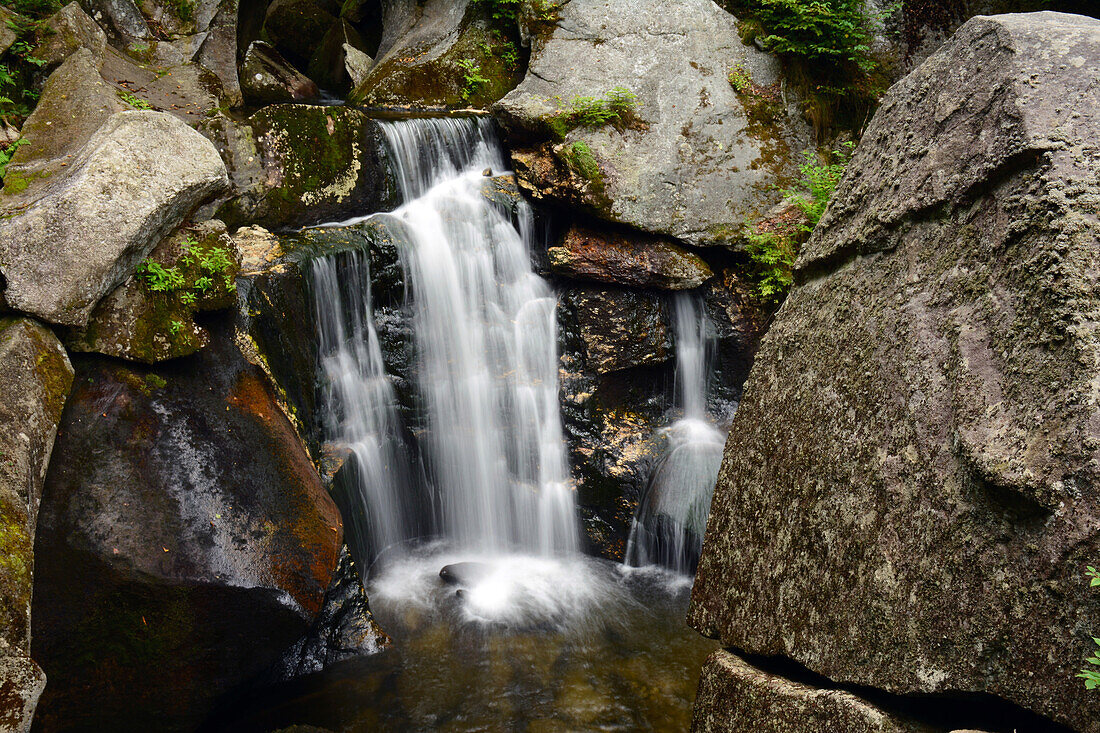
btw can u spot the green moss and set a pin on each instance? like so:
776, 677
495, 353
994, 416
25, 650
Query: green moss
583, 163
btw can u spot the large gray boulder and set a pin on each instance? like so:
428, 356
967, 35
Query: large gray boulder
694, 161
82, 233
36, 380
911, 487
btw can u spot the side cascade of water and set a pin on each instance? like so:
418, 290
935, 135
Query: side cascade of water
668, 527
484, 327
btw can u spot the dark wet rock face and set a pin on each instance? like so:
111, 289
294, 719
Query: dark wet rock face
185, 542
910, 490
36, 377
629, 259
344, 629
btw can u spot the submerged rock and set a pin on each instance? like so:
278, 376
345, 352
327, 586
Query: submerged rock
689, 160
627, 259
66, 247
36, 377
464, 573
185, 542
910, 492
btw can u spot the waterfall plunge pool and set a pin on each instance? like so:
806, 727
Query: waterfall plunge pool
536, 644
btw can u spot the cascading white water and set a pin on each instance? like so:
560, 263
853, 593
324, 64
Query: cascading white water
484, 330
360, 404
668, 527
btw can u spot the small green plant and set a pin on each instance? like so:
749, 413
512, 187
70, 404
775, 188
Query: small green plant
507, 10
740, 78
174, 327
1092, 676
8, 153
472, 79
613, 108
773, 249
158, 278
819, 181
133, 100
773, 255
204, 283
187, 297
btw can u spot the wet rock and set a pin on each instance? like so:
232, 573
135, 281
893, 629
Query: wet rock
71, 245
70, 30
464, 573
266, 77
419, 61
620, 328
344, 628
612, 419
138, 322
36, 380
296, 27
913, 469
319, 164
185, 542
625, 258
734, 695
690, 161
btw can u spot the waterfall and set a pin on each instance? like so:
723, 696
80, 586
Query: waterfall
486, 374
668, 527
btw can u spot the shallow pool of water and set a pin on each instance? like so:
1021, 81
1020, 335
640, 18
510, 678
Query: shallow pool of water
522, 644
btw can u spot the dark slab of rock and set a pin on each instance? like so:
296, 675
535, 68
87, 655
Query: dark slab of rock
911, 490
625, 258
296, 27
266, 77
185, 542
344, 628
36, 378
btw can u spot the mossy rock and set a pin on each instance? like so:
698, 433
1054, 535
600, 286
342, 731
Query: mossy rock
320, 164
139, 322
465, 69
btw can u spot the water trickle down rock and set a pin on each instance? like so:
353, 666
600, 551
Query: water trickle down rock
910, 493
